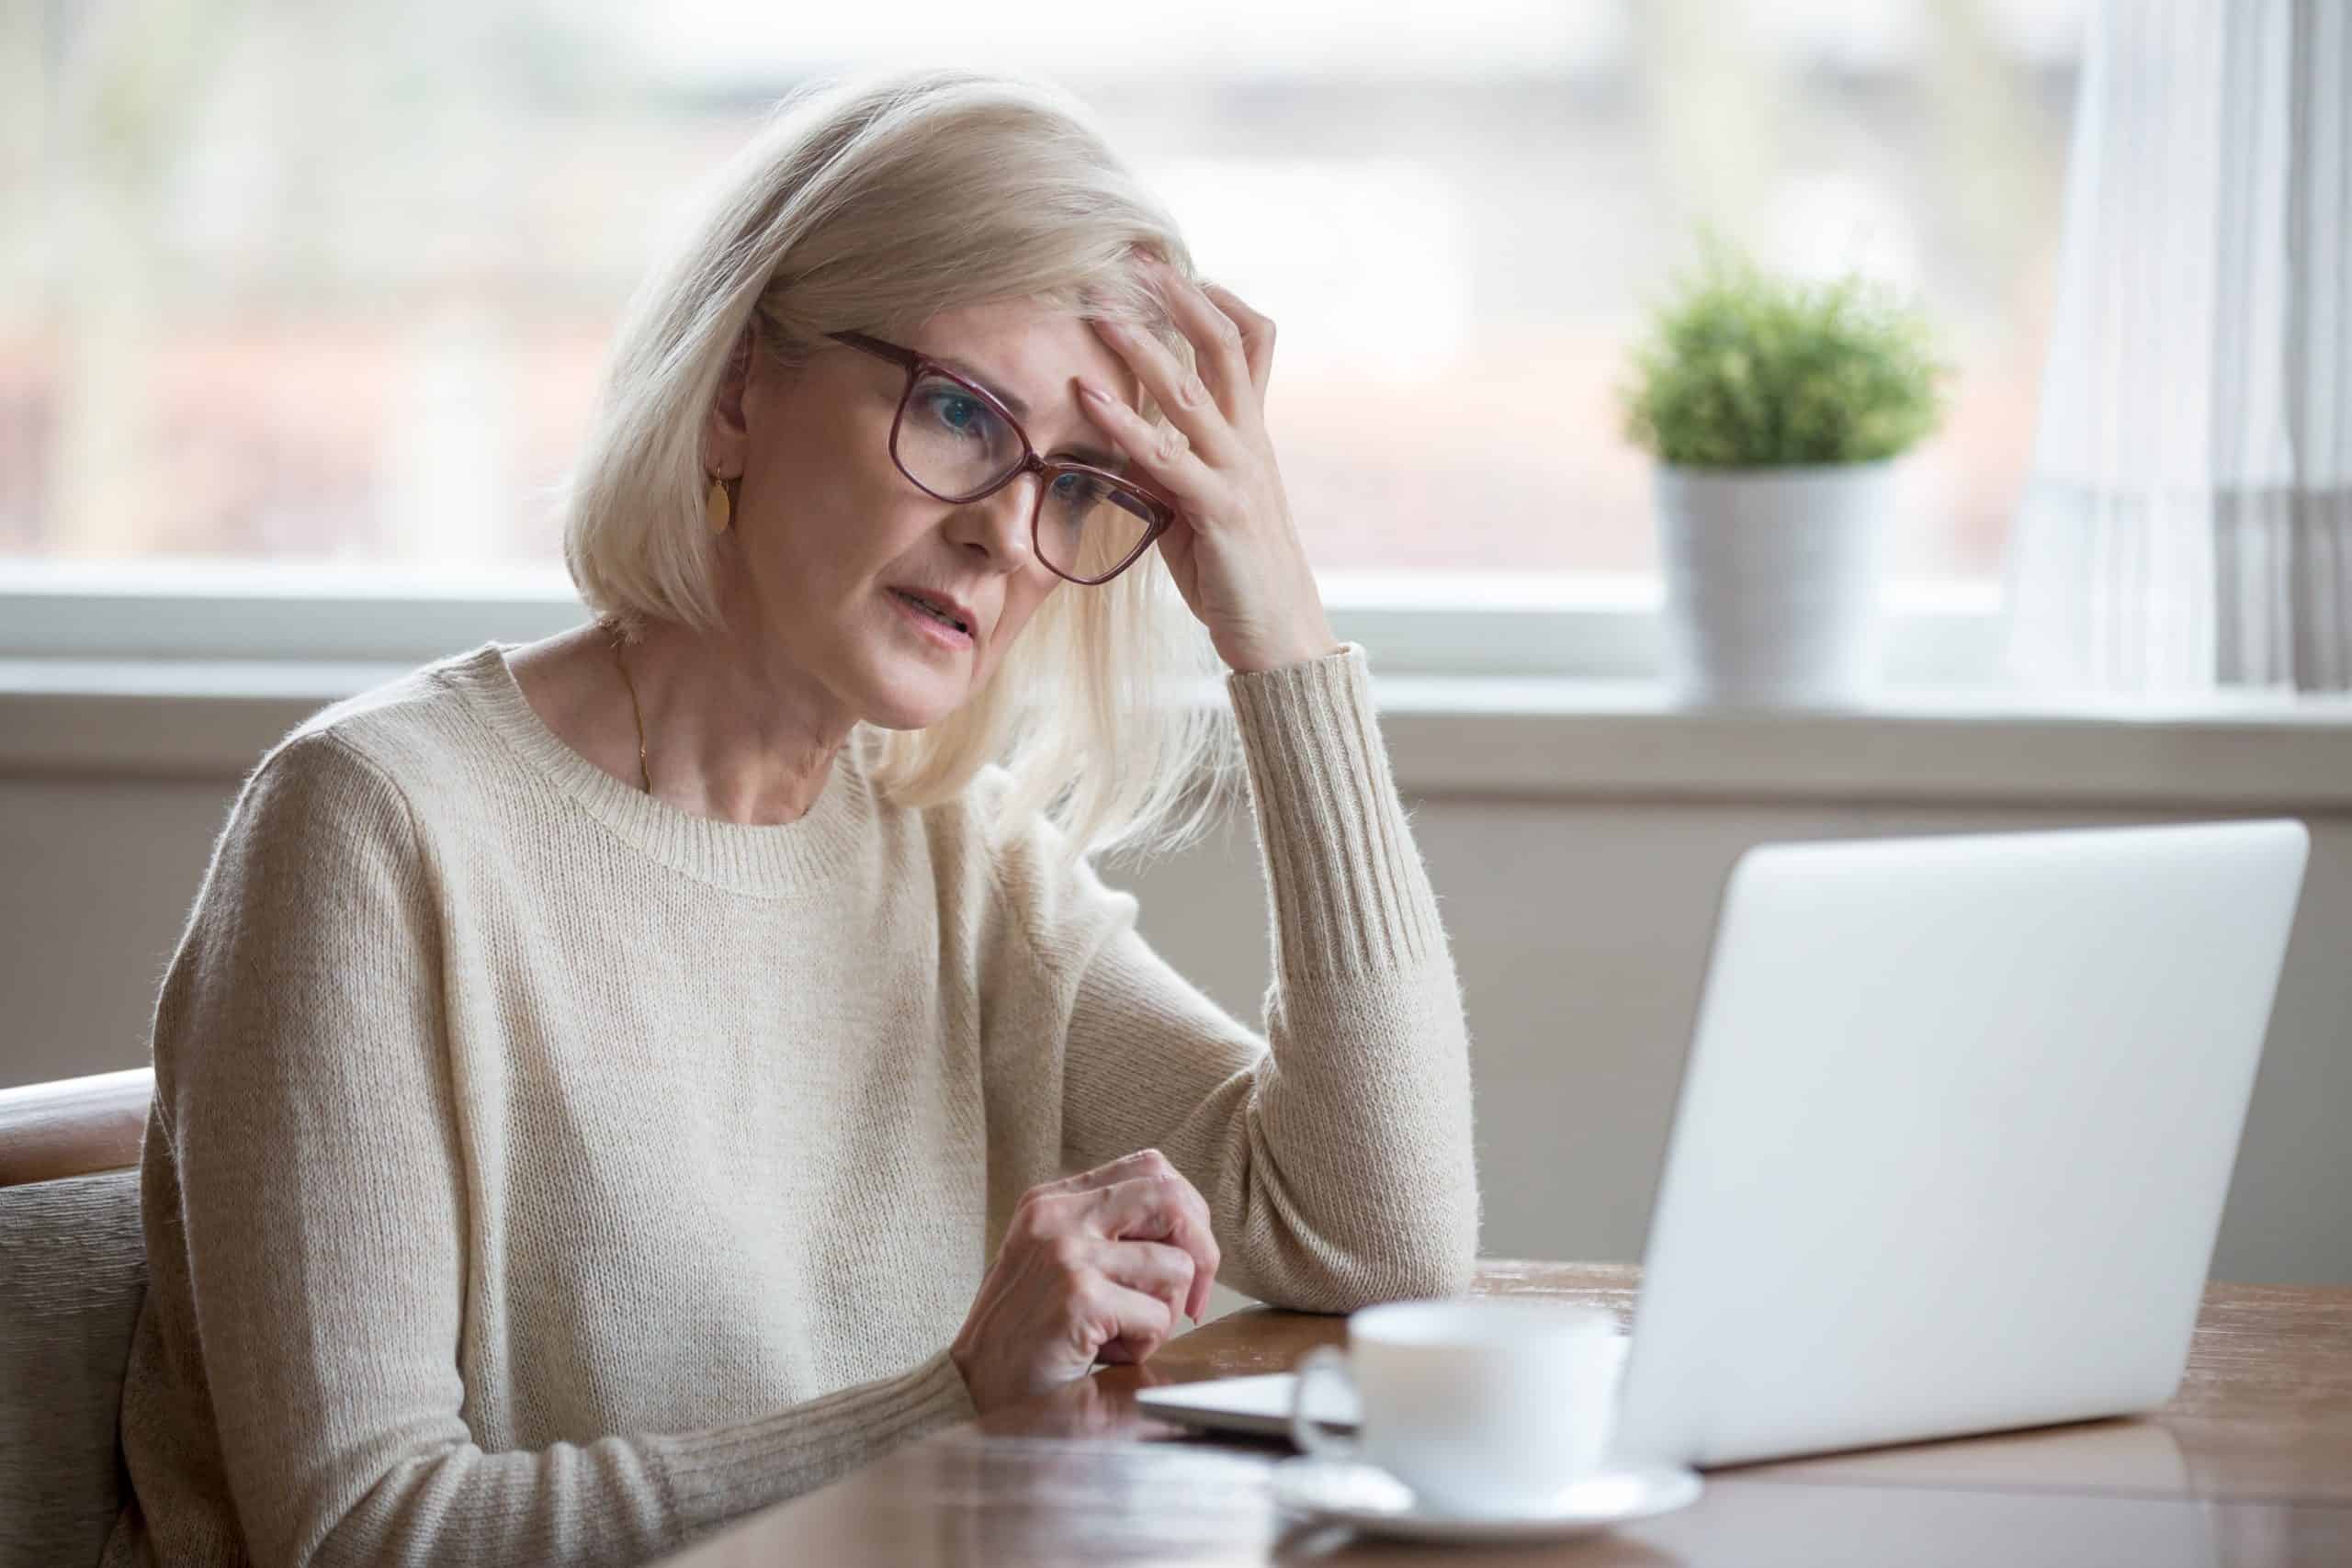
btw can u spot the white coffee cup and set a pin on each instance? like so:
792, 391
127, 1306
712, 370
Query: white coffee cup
1485, 1405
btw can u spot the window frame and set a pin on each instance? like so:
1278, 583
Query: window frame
1940, 634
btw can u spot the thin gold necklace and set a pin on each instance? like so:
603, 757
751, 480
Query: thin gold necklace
644, 770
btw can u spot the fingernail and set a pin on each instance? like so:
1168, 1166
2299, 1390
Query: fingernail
1091, 389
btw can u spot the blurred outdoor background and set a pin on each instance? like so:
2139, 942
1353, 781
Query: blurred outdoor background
282, 280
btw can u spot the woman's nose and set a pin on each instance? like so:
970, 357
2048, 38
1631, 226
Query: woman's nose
997, 525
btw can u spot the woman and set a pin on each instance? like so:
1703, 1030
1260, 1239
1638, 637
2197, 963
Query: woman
609, 1085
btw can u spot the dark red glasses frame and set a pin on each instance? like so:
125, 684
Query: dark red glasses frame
1158, 510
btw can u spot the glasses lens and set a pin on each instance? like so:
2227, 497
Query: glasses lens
955, 445
1087, 524
952, 443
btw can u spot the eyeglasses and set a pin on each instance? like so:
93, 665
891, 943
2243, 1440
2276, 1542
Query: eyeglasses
956, 441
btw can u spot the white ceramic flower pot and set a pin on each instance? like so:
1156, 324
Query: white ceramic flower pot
1772, 581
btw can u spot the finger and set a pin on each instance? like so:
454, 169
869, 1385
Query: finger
1184, 397
1197, 1237
1143, 1162
1215, 337
1161, 451
1256, 335
1159, 1209
1154, 1268
1047, 1212
1108, 1313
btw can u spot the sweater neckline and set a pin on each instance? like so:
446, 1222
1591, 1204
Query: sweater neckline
763, 861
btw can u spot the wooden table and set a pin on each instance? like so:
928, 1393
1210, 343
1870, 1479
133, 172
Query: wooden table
2250, 1464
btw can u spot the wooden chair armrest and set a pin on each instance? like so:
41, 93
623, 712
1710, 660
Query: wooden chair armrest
73, 1126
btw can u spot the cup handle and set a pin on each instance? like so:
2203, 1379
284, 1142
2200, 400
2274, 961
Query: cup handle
1311, 1439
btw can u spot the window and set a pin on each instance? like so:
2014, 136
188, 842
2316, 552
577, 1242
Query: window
333, 283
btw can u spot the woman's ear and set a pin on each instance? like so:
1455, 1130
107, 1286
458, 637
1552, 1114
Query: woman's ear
726, 430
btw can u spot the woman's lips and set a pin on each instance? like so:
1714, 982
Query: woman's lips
938, 631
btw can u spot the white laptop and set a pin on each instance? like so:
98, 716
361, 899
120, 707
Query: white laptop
1954, 1133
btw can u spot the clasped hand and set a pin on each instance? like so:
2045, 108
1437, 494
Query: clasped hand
1095, 1266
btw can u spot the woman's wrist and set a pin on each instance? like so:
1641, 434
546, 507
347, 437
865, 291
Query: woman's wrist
1306, 650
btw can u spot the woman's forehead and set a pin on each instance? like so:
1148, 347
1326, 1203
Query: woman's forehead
1023, 353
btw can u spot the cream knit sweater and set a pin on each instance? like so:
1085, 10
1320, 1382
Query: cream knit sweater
542, 1174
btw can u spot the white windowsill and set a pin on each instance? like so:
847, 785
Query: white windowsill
1520, 737
1447, 624
1518, 686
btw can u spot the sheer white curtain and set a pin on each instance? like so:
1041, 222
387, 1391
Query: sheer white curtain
2188, 520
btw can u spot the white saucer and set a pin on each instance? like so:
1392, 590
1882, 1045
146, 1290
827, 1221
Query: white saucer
1378, 1504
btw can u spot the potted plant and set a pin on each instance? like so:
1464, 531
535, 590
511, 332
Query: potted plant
1776, 409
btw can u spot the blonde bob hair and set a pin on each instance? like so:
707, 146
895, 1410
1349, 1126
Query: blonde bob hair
871, 203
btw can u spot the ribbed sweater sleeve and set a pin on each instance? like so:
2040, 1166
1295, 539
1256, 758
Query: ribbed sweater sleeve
1334, 1148
315, 1226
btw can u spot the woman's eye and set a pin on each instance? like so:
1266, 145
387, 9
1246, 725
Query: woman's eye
959, 416
1075, 496
958, 412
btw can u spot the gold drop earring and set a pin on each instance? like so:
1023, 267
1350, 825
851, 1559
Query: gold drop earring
716, 506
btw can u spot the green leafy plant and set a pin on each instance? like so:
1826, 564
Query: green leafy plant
1747, 369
